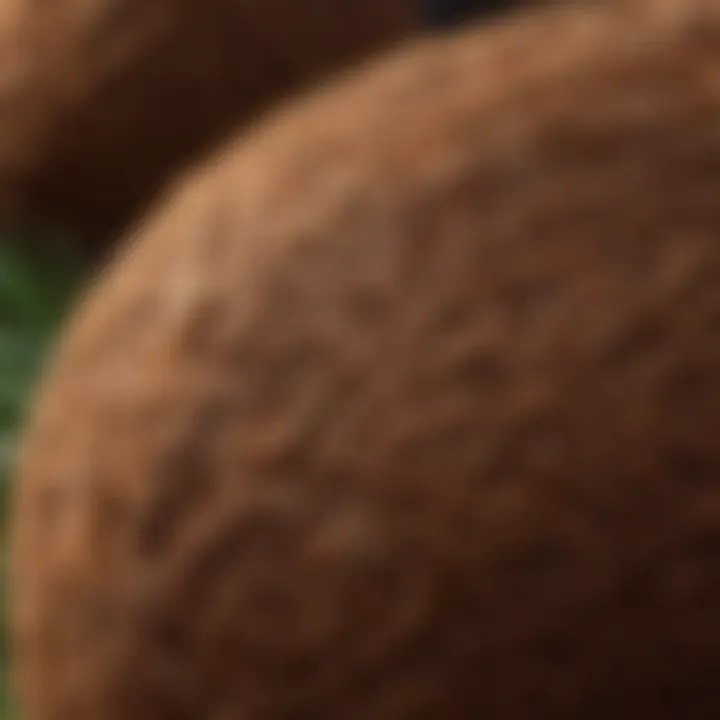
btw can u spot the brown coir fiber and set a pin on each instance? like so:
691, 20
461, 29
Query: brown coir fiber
102, 101
405, 408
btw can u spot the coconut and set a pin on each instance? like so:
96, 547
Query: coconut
402, 407
104, 101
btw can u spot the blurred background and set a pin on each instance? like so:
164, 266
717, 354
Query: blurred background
39, 277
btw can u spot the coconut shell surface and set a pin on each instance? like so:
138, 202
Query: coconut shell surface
102, 102
406, 407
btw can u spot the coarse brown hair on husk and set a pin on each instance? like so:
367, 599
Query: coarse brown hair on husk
102, 102
405, 407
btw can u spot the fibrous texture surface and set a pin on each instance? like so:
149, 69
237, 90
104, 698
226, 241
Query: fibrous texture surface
405, 407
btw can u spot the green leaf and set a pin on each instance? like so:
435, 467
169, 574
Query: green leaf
37, 283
